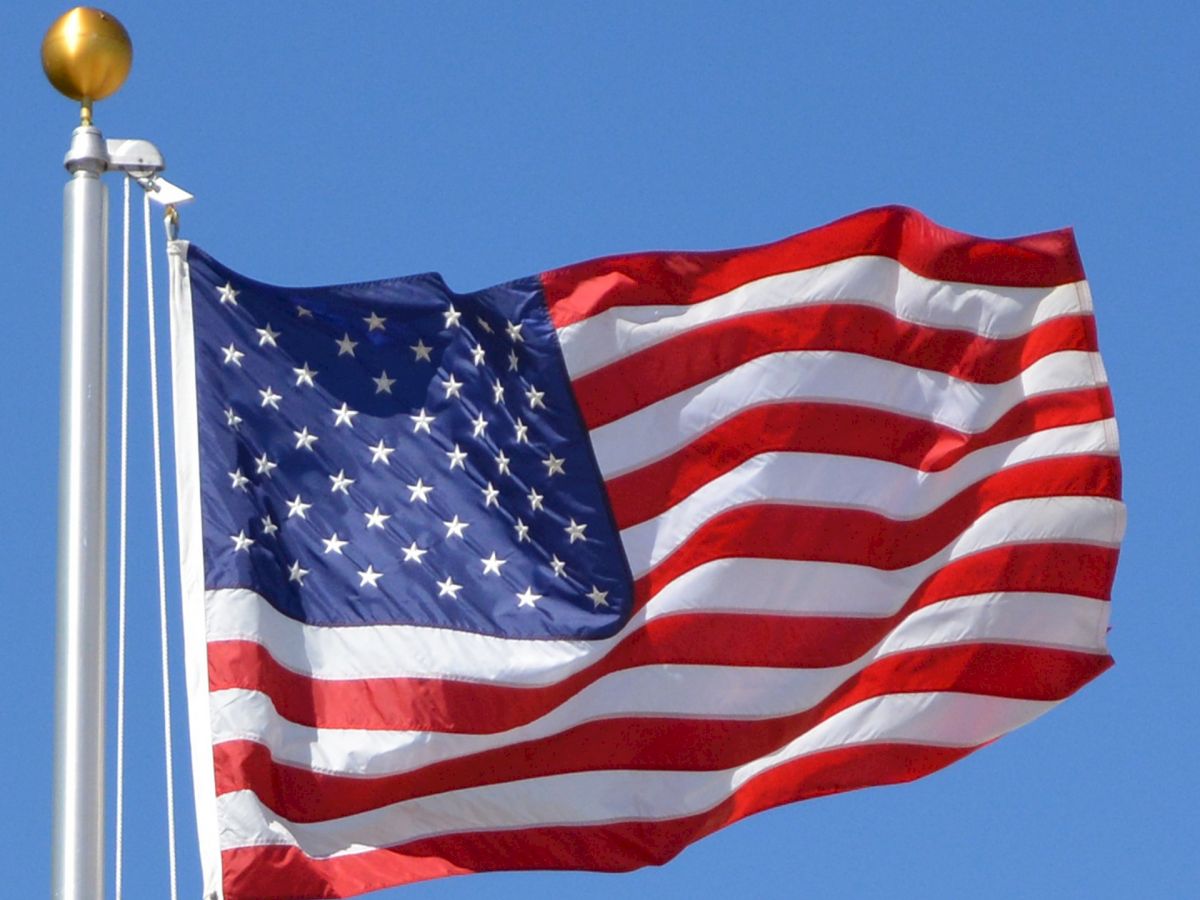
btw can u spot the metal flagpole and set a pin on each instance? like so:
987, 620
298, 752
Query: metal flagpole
79, 699
86, 55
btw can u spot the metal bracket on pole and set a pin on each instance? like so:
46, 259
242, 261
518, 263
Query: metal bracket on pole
139, 159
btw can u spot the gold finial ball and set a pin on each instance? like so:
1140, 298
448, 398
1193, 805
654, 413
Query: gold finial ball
87, 54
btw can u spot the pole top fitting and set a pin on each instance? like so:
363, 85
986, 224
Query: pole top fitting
87, 55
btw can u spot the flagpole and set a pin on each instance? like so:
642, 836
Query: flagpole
79, 701
86, 55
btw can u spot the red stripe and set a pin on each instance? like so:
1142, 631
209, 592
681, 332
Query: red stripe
701, 354
863, 538
286, 873
577, 292
642, 743
837, 429
431, 704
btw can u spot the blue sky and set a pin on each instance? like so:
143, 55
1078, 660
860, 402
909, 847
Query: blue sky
492, 141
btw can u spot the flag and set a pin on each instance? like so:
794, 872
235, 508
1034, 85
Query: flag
573, 571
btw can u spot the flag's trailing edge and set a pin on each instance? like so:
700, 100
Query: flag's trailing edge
571, 572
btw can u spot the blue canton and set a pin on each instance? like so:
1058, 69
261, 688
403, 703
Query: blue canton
397, 453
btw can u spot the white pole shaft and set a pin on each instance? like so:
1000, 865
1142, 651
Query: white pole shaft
78, 848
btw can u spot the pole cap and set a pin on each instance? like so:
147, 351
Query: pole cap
87, 55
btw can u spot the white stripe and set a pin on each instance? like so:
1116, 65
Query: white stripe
678, 691
930, 719
669, 424
191, 565
874, 281
405, 651
781, 586
849, 482
1028, 618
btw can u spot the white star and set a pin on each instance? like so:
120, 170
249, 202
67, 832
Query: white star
341, 482
522, 531
380, 453
483, 324
374, 322
453, 387
598, 597
420, 351
334, 544
477, 355
232, 419
480, 424
512, 360
419, 491
535, 499
554, 465
375, 518
521, 429
345, 345
448, 587
298, 507
239, 480
502, 463
345, 415
489, 496
528, 598
456, 458
228, 294
455, 527
514, 332
270, 398
491, 565
303, 312
267, 336
305, 376
268, 526
263, 465
421, 421
535, 398
576, 531
304, 440
296, 573
413, 553
497, 392
557, 565
233, 356
452, 316
369, 577
241, 542
383, 384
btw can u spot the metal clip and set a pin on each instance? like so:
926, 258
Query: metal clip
171, 222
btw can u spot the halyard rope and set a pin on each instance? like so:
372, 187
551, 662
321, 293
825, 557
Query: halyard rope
121, 552
162, 568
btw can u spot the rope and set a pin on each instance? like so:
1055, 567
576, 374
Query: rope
162, 567
121, 564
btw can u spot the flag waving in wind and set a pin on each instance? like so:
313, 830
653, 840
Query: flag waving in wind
573, 571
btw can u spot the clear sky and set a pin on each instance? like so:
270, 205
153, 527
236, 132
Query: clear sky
342, 142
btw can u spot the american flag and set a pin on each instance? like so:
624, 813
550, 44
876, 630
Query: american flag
572, 571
